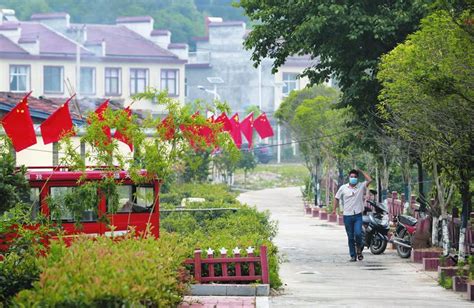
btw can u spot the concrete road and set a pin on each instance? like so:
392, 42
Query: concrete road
316, 273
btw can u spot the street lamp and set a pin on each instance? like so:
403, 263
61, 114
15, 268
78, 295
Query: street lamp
278, 95
214, 81
214, 92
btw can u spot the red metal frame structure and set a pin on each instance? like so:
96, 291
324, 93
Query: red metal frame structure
202, 276
47, 181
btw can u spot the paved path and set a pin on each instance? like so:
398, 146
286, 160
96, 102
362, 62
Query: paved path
316, 272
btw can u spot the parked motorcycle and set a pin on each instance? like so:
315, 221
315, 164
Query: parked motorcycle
375, 226
404, 231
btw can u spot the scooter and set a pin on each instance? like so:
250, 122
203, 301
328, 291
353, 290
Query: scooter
375, 226
404, 231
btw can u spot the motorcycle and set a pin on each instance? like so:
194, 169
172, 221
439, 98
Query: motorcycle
375, 226
404, 231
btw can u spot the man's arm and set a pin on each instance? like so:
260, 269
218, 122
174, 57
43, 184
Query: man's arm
367, 177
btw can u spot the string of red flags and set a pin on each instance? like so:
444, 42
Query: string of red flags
58, 124
18, 126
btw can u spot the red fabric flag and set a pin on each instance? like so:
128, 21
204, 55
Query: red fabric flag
224, 120
100, 114
19, 126
167, 128
246, 126
120, 134
262, 126
236, 134
58, 124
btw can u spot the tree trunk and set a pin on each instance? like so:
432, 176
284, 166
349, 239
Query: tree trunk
421, 186
434, 232
443, 202
466, 206
384, 180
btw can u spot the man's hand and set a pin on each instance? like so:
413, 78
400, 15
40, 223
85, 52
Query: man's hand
368, 179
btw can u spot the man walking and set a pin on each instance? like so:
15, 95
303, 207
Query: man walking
352, 195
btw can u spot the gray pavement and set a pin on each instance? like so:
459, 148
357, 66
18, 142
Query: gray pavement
316, 272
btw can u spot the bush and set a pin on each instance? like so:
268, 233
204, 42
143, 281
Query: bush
107, 272
223, 229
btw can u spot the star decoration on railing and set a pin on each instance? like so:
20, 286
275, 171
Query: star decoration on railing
223, 251
250, 249
236, 251
210, 251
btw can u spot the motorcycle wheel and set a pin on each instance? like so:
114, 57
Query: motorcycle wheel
404, 252
377, 246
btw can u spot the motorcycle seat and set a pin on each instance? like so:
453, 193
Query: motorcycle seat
407, 220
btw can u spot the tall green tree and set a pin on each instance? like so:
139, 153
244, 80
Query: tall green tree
346, 37
315, 122
428, 99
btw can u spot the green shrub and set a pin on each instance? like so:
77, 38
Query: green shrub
224, 229
111, 273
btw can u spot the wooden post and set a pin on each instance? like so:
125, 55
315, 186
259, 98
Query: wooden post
197, 265
238, 270
224, 265
251, 266
264, 264
210, 265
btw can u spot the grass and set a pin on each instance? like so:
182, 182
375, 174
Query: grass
270, 176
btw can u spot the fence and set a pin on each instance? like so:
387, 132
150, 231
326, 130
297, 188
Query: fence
230, 269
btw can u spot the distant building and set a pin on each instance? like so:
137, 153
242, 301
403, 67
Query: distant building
116, 61
221, 68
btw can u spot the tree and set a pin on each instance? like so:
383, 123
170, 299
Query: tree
13, 184
346, 37
315, 122
428, 99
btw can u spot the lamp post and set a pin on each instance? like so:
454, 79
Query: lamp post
278, 95
214, 92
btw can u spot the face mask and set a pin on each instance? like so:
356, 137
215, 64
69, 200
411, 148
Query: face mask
353, 181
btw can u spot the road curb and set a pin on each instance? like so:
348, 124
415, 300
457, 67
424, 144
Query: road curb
229, 290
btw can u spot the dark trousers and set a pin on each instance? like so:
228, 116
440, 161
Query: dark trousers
353, 224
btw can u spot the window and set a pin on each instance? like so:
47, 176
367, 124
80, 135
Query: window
138, 80
53, 79
169, 81
135, 199
290, 83
33, 199
19, 78
112, 81
60, 196
87, 85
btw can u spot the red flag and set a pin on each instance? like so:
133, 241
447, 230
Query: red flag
226, 125
236, 134
58, 124
19, 126
246, 126
167, 128
262, 126
100, 114
120, 134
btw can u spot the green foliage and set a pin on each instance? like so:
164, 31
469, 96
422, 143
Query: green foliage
445, 282
461, 271
131, 272
224, 228
24, 241
184, 18
13, 184
196, 168
427, 96
347, 37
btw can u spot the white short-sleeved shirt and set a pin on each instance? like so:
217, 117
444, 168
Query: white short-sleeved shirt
352, 198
